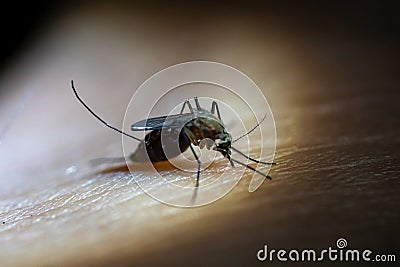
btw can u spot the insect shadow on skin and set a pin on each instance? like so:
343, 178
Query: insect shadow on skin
197, 125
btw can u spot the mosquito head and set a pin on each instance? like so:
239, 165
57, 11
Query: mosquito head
223, 143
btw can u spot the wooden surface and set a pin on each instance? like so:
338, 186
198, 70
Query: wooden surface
333, 93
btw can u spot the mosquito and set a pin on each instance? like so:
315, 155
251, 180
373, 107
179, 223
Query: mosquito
196, 125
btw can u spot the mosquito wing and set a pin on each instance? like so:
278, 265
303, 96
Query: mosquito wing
157, 123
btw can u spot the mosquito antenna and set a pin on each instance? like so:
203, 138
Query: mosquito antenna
249, 158
100, 119
251, 168
249, 132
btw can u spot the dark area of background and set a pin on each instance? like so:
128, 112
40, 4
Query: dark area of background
19, 22
370, 20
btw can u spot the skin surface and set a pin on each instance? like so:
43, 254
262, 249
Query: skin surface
330, 84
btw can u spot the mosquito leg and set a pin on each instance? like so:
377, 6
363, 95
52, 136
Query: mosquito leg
183, 106
196, 100
251, 168
214, 107
198, 165
187, 133
194, 196
188, 104
249, 158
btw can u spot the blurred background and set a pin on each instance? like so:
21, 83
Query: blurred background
328, 71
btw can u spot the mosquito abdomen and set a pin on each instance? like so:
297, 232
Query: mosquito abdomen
154, 147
